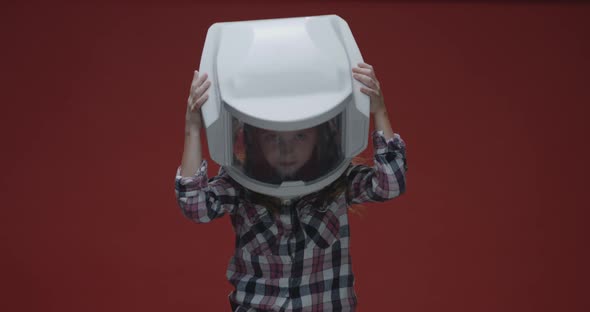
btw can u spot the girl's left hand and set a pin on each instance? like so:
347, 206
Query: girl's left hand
366, 74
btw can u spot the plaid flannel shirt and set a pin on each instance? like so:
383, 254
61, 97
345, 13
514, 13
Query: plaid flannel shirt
297, 260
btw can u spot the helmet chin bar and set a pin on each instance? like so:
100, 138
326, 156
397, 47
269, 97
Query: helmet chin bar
286, 76
286, 190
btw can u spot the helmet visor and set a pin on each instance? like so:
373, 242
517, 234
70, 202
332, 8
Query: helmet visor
274, 157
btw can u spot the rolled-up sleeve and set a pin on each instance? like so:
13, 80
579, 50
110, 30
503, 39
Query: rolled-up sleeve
386, 179
203, 200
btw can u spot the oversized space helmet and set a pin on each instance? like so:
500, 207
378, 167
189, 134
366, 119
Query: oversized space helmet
284, 115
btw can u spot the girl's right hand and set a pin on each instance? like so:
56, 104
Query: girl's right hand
196, 99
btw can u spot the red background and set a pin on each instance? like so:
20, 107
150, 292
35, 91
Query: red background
492, 100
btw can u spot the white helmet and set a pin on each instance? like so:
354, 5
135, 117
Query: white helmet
284, 115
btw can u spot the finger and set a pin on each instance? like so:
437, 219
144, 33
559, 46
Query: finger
201, 89
365, 65
201, 101
198, 80
198, 92
368, 81
370, 92
368, 66
194, 81
364, 71
193, 102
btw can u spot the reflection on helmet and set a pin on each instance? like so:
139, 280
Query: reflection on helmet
278, 156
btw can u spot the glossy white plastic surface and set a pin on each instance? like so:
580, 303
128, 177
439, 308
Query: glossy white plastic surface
283, 74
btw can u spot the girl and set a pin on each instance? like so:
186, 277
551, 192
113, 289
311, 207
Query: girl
290, 255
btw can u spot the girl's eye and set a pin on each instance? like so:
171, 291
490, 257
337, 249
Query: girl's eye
271, 138
301, 136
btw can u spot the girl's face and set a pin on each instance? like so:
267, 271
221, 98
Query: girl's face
287, 151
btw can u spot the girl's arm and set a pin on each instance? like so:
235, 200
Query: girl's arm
191, 157
387, 178
381, 121
366, 74
200, 200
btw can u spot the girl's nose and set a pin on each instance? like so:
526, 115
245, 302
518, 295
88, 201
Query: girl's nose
285, 146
